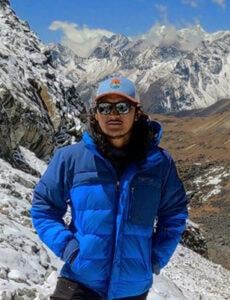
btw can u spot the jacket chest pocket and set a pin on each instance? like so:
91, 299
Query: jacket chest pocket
144, 201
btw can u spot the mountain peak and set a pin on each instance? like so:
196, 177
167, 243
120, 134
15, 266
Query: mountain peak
110, 46
4, 2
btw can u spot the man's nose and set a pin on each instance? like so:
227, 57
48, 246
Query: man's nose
114, 111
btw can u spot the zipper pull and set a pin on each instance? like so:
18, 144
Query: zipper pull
117, 186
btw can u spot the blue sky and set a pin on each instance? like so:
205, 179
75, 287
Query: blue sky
58, 20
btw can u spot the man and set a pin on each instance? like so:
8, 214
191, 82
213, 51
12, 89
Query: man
127, 203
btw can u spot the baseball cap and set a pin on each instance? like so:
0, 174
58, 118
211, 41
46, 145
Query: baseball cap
121, 86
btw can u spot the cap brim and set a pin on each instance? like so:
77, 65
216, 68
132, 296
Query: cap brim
131, 99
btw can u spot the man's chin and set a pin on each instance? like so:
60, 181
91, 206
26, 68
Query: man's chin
116, 136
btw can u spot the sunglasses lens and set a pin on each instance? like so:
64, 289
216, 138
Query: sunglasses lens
104, 108
123, 107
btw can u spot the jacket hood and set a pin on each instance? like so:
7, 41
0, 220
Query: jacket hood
156, 126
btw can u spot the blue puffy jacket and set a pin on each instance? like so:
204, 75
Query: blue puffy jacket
112, 230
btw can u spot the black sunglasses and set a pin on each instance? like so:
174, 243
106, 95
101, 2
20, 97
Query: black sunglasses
122, 108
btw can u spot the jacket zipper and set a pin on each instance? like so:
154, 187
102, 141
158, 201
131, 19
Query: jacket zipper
117, 190
130, 206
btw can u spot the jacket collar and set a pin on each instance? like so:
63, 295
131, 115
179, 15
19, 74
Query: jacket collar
152, 158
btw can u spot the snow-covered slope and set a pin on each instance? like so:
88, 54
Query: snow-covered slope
24, 263
190, 71
28, 269
197, 80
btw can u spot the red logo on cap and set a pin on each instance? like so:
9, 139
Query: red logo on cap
115, 83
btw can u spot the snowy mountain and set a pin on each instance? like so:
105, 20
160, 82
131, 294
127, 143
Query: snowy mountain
187, 72
174, 70
197, 80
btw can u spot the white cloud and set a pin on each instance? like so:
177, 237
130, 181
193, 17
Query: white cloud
220, 2
160, 35
195, 3
167, 35
163, 10
82, 40
192, 3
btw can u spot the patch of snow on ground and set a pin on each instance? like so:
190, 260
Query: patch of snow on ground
37, 164
213, 177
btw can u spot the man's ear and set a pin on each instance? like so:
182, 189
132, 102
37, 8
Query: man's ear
96, 117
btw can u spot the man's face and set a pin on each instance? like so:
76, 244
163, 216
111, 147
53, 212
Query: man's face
117, 127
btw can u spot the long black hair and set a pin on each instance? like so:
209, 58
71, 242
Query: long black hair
141, 139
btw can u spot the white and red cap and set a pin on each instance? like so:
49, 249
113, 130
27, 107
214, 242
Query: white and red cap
118, 86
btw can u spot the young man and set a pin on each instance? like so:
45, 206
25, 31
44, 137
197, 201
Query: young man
128, 205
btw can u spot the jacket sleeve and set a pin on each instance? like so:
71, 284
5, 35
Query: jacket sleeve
172, 215
49, 204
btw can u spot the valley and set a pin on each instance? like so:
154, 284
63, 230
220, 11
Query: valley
201, 146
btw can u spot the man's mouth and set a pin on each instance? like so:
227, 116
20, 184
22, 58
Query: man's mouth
114, 122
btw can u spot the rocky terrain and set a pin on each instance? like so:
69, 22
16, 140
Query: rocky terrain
39, 107
201, 146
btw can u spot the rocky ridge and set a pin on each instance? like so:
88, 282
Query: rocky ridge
39, 107
170, 77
